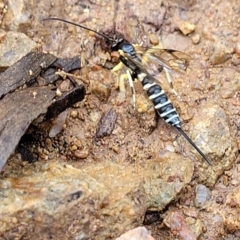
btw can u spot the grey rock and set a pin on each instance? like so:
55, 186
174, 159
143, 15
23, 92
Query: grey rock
65, 203
211, 133
85, 202
221, 53
203, 194
13, 47
165, 180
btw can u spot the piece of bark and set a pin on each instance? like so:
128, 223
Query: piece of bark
20, 108
65, 101
15, 118
106, 124
24, 71
66, 64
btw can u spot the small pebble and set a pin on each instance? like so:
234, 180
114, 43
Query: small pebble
234, 182
115, 149
186, 27
78, 143
45, 151
217, 218
153, 39
39, 150
51, 155
58, 93
139, 233
74, 114
58, 124
170, 148
81, 153
236, 59
196, 38
203, 194
225, 180
14, 220
237, 49
74, 148
48, 144
219, 200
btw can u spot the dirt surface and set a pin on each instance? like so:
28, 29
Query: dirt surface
209, 103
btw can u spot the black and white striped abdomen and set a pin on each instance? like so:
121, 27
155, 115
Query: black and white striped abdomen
160, 100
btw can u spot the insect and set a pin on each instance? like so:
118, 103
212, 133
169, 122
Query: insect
135, 62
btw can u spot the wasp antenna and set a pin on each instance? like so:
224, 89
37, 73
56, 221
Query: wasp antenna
78, 25
194, 145
116, 6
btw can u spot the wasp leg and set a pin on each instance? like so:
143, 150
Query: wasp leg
121, 85
120, 81
71, 76
130, 80
170, 82
118, 67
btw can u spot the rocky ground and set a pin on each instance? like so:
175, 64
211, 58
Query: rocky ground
98, 179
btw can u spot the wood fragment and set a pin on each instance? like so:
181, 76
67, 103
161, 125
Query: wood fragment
19, 108
24, 71
22, 108
68, 64
65, 101
106, 124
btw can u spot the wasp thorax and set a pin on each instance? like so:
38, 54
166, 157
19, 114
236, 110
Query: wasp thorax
128, 48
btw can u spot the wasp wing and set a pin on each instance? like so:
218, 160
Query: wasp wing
153, 61
177, 60
135, 61
163, 58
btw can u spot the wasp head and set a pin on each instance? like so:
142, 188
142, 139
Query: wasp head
113, 42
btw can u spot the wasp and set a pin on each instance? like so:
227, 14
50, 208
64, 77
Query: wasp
137, 58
